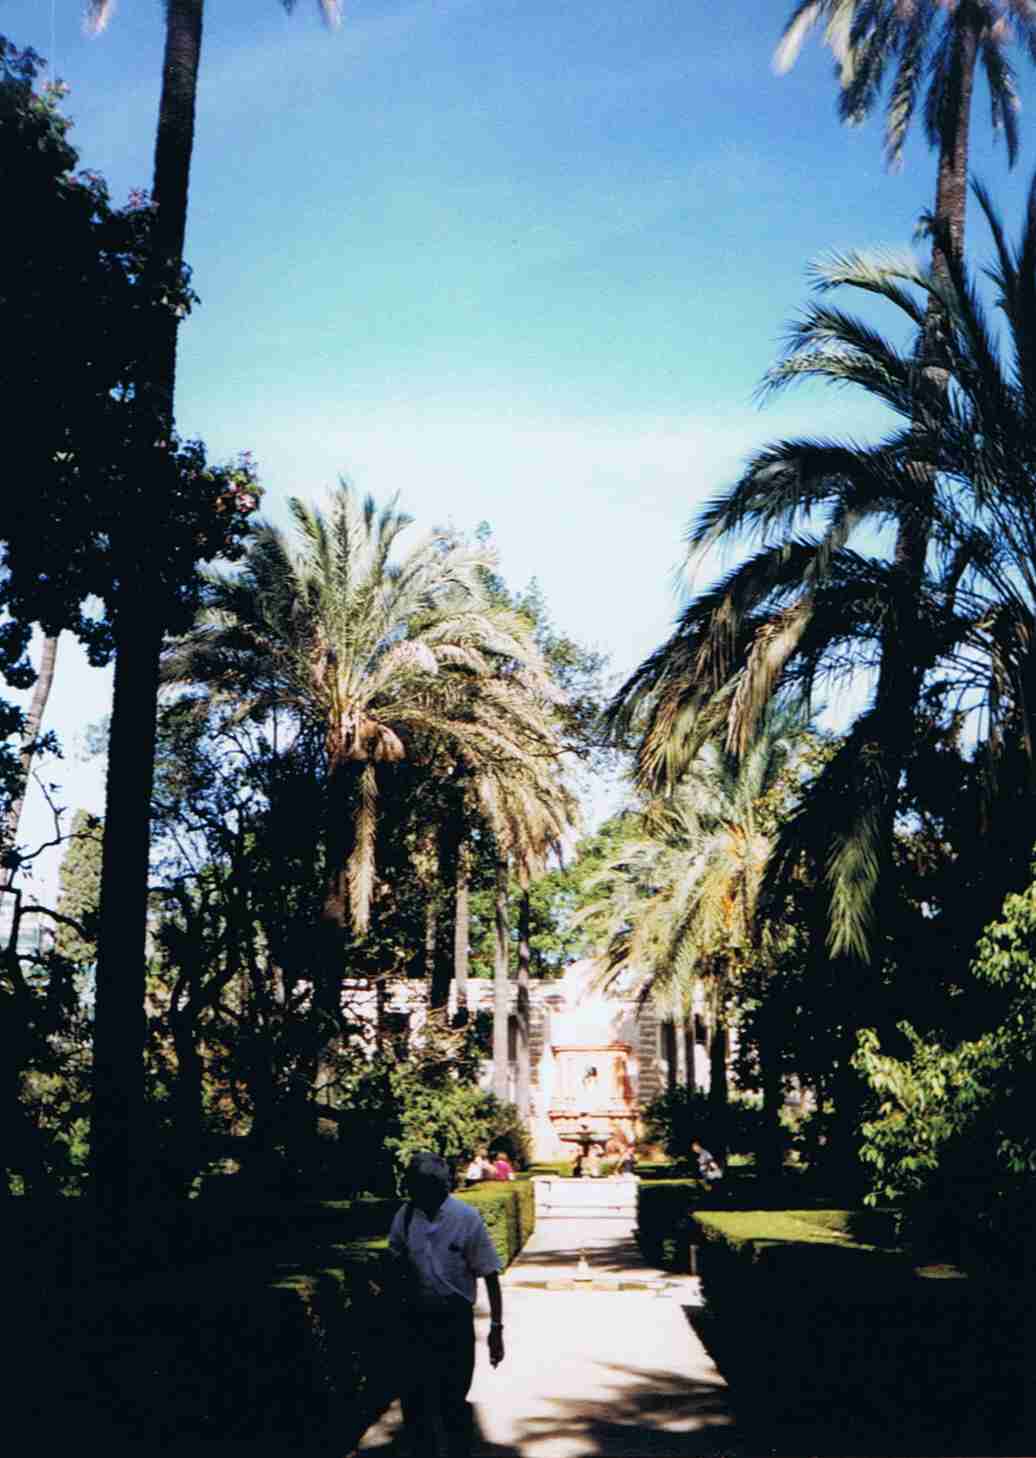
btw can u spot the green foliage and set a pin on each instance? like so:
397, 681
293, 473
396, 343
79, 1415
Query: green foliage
79, 880
663, 1213
559, 932
822, 1326
681, 1114
962, 1111
927, 1104
741, 1228
270, 1327
509, 1210
395, 1107
287, 1344
75, 304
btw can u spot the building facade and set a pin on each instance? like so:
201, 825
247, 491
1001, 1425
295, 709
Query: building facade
596, 1059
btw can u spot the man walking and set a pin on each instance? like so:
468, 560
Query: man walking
446, 1247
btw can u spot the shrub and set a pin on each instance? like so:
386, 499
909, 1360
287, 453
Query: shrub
509, 1210
823, 1334
663, 1220
281, 1335
681, 1114
396, 1108
507, 1131
952, 1135
244, 1350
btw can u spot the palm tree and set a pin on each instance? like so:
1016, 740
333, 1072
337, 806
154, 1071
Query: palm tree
809, 608
922, 41
943, 44
374, 654
140, 620
682, 898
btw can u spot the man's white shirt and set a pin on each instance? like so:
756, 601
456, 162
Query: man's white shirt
448, 1252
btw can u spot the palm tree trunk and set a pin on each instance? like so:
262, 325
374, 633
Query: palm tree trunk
334, 916
769, 1155
444, 948
900, 671
688, 1043
119, 1018
461, 935
680, 1050
524, 1084
501, 984
719, 1088
437, 994
951, 186
174, 145
33, 723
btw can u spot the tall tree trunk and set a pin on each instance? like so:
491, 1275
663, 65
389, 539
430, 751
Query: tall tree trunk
444, 950
119, 1017
437, 994
524, 1082
334, 915
30, 737
139, 611
719, 1088
188, 1103
688, 1043
900, 672
174, 145
461, 934
501, 984
680, 1049
769, 1153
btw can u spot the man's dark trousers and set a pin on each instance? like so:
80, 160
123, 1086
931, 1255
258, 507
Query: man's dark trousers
442, 1364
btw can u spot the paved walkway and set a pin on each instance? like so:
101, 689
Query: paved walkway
603, 1361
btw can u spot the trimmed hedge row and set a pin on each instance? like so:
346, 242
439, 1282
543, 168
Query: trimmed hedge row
250, 1349
665, 1207
281, 1344
509, 1209
837, 1344
663, 1220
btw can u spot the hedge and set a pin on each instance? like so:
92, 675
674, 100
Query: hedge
663, 1220
284, 1343
509, 1209
665, 1205
837, 1343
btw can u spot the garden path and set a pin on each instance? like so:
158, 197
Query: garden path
609, 1365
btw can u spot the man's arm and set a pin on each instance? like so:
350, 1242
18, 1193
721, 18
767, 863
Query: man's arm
496, 1319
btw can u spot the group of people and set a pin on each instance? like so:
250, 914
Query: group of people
616, 1148
486, 1166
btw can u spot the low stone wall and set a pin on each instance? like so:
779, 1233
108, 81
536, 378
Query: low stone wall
606, 1198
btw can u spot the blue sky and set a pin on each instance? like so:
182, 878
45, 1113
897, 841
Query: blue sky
520, 263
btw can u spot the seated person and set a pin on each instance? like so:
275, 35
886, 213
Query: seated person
709, 1168
502, 1166
479, 1169
627, 1160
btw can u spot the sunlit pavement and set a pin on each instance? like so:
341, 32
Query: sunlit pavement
602, 1362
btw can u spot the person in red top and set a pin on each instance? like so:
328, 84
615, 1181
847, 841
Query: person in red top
502, 1165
